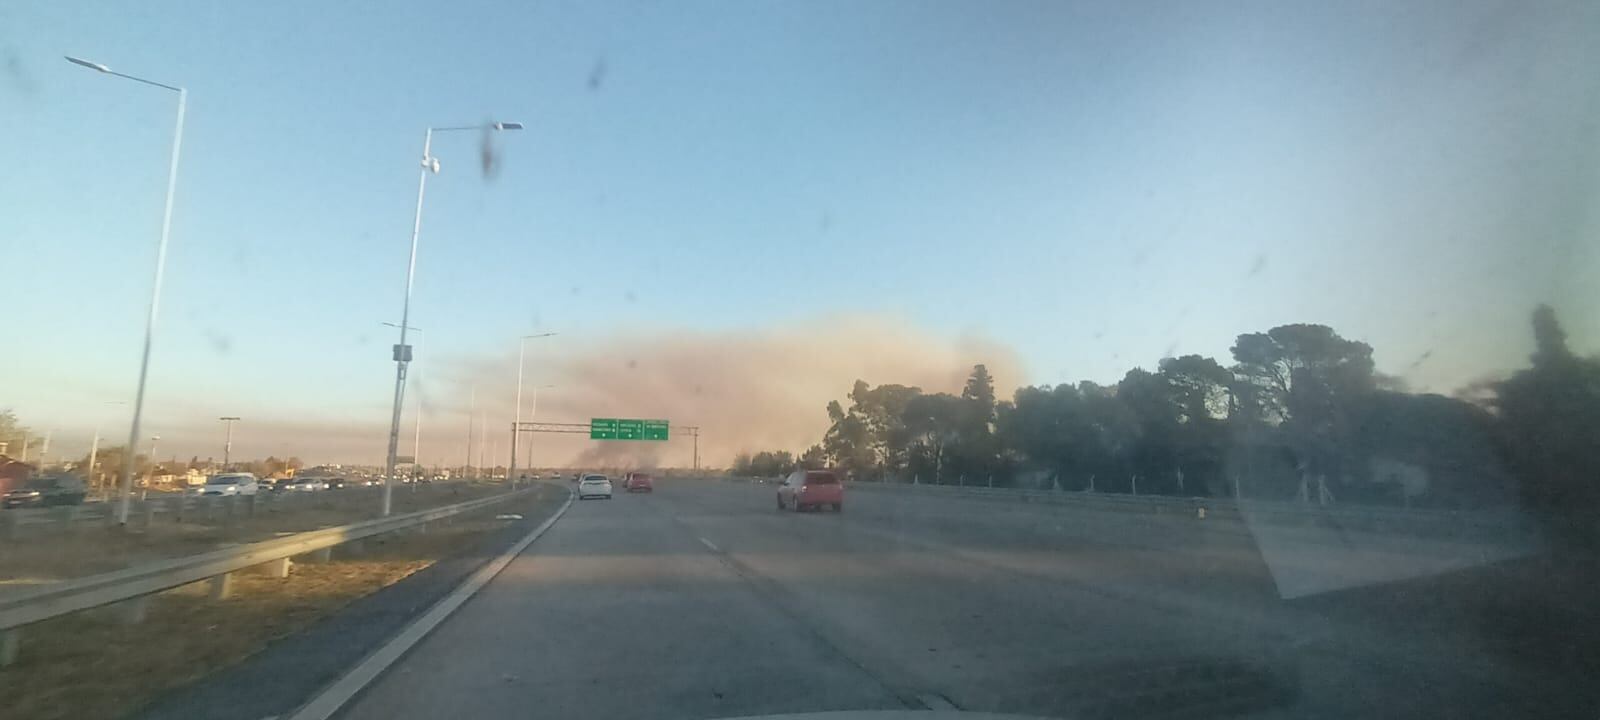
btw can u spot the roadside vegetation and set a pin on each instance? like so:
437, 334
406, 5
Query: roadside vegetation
1299, 413
90, 666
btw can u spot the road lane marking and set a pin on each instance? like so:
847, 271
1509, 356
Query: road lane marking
936, 702
708, 544
334, 697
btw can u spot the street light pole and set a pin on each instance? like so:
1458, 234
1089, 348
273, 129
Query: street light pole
533, 412
522, 352
227, 445
402, 352
155, 291
416, 438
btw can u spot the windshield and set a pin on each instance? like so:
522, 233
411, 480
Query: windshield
41, 483
1079, 359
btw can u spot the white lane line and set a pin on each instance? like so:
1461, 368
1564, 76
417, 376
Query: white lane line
708, 544
335, 696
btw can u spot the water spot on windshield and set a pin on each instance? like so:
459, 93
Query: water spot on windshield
220, 343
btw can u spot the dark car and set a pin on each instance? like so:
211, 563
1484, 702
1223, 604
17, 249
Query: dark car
46, 490
336, 484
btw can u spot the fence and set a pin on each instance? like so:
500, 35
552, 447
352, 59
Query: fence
1353, 517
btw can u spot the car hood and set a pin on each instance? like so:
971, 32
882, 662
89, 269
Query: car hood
892, 715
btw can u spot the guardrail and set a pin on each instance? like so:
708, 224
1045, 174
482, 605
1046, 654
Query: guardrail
224, 509
131, 588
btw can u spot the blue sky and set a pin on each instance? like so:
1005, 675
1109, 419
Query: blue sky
1090, 186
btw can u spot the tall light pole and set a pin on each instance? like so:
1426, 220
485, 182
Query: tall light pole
94, 449
155, 291
533, 412
522, 353
416, 437
227, 445
402, 351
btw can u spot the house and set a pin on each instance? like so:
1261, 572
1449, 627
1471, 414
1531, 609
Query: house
13, 472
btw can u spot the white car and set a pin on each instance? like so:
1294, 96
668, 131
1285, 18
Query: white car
231, 484
594, 486
305, 484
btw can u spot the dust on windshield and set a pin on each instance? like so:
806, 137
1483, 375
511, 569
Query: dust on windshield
1059, 359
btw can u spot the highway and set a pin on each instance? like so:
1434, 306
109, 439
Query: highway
702, 601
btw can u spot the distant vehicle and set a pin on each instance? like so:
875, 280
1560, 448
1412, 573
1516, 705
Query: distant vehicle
811, 489
598, 486
307, 484
46, 490
638, 482
336, 483
231, 484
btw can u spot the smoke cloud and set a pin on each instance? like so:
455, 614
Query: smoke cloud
744, 389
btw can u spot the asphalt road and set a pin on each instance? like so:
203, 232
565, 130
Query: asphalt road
702, 601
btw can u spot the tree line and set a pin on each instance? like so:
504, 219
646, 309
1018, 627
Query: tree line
1299, 413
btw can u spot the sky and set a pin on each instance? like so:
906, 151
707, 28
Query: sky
728, 211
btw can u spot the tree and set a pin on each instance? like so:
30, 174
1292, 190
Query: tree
1549, 423
14, 434
767, 463
1305, 383
977, 451
1296, 369
109, 461
814, 458
741, 465
932, 423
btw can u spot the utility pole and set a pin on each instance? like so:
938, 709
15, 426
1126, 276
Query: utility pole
472, 409
227, 445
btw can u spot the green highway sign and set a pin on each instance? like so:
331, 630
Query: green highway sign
603, 429
627, 429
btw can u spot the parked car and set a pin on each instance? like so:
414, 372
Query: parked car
307, 484
638, 482
46, 490
230, 484
811, 489
598, 486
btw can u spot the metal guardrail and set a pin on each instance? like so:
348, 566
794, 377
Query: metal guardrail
16, 523
134, 585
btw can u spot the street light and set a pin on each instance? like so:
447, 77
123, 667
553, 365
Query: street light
402, 352
155, 291
416, 439
534, 413
227, 446
522, 352
94, 448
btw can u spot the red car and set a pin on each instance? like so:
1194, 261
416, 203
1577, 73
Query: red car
638, 482
811, 489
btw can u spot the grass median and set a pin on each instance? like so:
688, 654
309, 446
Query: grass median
91, 666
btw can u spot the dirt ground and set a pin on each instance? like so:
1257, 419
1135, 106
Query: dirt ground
89, 666
47, 554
